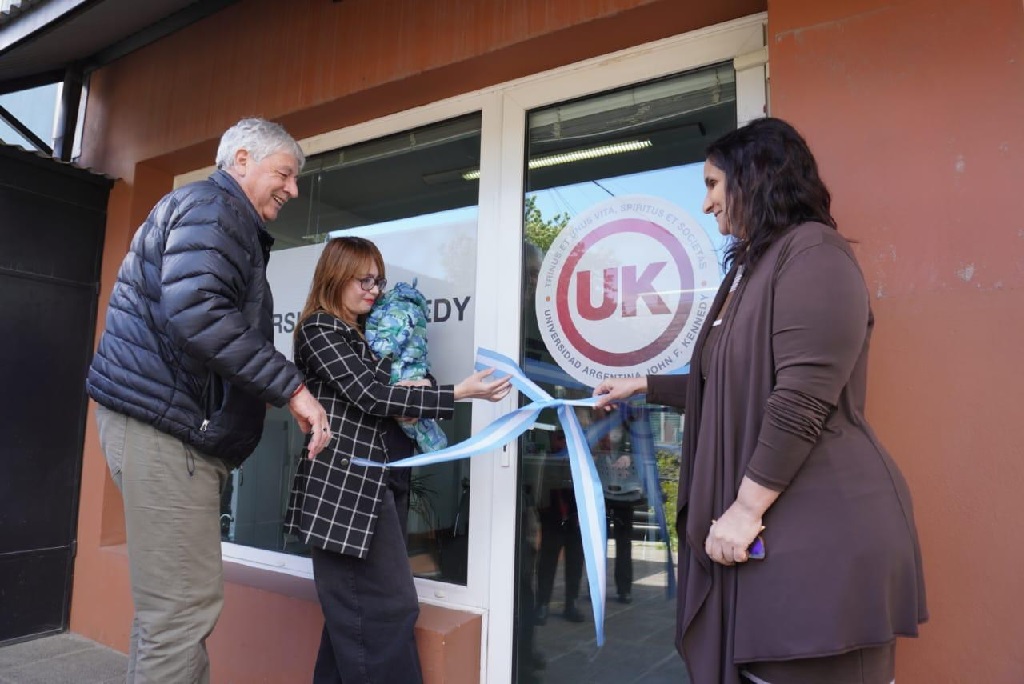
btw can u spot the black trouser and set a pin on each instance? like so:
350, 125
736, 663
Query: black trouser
621, 515
554, 535
525, 657
370, 606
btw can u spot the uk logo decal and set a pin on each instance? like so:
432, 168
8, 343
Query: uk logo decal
625, 288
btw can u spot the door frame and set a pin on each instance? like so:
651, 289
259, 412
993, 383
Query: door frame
741, 41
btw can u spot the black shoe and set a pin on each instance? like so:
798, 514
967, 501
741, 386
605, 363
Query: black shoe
541, 617
572, 613
625, 597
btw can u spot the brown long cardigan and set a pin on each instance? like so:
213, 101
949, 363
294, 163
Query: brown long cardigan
843, 567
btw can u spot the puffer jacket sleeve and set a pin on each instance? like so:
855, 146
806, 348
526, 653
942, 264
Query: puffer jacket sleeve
207, 266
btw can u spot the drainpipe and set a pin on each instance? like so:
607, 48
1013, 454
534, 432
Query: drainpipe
67, 117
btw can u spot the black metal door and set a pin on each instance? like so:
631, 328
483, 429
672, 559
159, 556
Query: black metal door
52, 222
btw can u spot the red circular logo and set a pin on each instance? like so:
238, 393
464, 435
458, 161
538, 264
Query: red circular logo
677, 321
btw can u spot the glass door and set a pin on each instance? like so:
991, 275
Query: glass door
600, 224
620, 267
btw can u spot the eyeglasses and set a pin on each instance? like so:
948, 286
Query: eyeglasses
369, 282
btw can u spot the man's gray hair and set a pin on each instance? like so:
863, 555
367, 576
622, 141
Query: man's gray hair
261, 138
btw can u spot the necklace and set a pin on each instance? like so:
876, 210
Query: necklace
737, 279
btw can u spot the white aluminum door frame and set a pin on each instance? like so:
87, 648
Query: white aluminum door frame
741, 41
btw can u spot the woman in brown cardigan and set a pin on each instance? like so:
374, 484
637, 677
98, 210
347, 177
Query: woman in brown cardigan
777, 445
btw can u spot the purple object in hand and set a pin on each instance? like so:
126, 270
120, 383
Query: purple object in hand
756, 549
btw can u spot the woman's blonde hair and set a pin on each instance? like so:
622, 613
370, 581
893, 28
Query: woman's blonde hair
343, 259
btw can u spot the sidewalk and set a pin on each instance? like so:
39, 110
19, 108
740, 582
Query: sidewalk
61, 659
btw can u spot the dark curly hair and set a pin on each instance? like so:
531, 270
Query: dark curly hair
771, 185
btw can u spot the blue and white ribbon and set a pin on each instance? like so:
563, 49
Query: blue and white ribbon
550, 374
642, 441
586, 483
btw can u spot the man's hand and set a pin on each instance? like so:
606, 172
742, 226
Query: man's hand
312, 418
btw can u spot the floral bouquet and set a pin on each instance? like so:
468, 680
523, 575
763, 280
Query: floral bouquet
397, 329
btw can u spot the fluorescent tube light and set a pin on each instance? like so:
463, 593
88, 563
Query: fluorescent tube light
576, 155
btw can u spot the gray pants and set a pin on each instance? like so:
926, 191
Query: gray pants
171, 498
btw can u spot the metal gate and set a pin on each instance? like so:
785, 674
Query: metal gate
52, 222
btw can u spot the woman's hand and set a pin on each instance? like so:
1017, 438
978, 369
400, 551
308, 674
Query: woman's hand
730, 537
617, 389
477, 386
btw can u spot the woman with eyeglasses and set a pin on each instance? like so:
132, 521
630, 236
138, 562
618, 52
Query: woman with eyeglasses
354, 516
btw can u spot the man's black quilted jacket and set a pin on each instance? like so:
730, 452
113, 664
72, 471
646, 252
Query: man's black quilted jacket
188, 345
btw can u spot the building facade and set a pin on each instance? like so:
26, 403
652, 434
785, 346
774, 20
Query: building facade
434, 127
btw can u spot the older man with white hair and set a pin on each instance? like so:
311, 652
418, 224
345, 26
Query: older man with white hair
182, 375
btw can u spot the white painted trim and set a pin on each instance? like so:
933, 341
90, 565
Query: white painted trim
506, 269
750, 60
193, 176
487, 334
267, 560
751, 85
751, 94
720, 43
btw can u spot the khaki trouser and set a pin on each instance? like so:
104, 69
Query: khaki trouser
171, 498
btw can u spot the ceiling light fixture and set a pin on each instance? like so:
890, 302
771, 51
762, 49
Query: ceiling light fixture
576, 155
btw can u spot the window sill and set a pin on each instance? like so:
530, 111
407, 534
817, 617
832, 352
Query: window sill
289, 582
272, 578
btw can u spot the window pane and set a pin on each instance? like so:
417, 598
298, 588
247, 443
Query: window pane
407, 193
35, 109
619, 267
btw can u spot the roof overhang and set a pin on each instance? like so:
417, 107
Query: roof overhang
41, 39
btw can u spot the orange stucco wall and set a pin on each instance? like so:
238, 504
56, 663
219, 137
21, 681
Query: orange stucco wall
315, 66
915, 110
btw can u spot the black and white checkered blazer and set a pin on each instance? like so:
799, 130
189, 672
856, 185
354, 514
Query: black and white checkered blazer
334, 503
